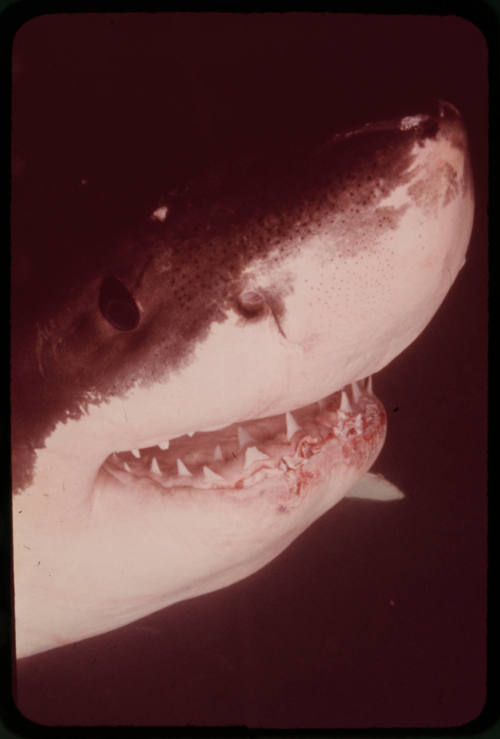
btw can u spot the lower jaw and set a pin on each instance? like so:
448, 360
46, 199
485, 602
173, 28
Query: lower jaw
340, 434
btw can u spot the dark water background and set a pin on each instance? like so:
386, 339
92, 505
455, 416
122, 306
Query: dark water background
375, 616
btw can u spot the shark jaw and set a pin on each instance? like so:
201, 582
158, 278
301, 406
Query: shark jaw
284, 457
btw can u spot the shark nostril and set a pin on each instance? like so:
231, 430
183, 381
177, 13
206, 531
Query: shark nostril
250, 303
117, 305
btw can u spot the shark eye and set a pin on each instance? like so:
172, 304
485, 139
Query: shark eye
250, 303
117, 305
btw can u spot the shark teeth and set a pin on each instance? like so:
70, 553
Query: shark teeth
345, 406
155, 467
182, 470
252, 454
291, 425
211, 476
244, 437
348, 405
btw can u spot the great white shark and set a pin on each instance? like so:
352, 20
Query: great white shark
185, 408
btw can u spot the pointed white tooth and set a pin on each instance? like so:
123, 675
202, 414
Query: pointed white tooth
155, 467
136, 453
344, 403
369, 385
356, 392
244, 437
212, 476
127, 467
182, 469
252, 454
191, 434
291, 425
164, 445
218, 456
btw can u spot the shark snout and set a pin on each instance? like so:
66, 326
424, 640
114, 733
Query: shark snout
389, 224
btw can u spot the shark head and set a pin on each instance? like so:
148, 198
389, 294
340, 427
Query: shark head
197, 392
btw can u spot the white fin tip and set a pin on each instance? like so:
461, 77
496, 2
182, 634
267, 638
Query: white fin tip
374, 487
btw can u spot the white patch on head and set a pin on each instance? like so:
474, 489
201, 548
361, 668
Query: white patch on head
160, 214
412, 121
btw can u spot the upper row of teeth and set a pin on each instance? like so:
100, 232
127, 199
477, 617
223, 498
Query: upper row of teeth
252, 453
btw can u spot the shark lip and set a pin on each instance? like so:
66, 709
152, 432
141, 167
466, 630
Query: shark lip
347, 427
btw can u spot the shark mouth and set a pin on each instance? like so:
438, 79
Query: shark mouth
287, 454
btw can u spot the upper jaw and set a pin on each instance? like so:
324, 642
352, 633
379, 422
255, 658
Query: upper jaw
285, 458
292, 424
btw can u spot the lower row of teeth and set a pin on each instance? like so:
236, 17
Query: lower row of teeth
254, 461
